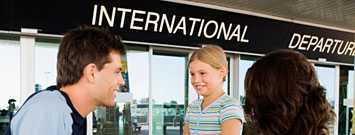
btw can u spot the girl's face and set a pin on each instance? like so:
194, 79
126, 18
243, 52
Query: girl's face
205, 79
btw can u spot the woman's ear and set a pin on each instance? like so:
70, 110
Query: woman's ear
89, 72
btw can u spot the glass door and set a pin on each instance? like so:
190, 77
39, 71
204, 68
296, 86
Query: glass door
244, 64
346, 96
169, 85
10, 80
128, 118
327, 77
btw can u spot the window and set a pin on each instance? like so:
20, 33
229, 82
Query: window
168, 90
10, 80
346, 94
327, 78
128, 118
45, 64
244, 64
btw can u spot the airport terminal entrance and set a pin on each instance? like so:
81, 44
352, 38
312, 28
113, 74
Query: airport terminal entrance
160, 35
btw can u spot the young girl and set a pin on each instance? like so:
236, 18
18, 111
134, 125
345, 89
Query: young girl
217, 113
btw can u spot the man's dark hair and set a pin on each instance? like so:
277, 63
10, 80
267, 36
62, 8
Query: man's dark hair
82, 46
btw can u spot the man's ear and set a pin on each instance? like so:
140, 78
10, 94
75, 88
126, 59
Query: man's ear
89, 72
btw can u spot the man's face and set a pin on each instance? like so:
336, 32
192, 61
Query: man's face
107, 81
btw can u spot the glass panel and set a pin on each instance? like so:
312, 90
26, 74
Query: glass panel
326, 76
168, 87
244, 65
350, 88
350, 97
10, 80
45, 64
139, 87
105, 120
128, 118
345, 96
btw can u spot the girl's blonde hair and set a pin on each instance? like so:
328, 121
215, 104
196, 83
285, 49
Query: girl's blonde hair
213, 55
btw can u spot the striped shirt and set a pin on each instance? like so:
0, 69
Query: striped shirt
209, 120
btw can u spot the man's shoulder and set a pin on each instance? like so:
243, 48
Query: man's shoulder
43, 112
46, 101
46, 97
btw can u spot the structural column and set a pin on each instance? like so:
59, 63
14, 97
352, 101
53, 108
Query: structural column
27, 42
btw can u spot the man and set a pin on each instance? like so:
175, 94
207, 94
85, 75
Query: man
11, 107
88, 75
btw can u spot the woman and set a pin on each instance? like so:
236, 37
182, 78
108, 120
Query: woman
284, 97
216, 113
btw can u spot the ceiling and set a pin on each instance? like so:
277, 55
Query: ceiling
336, 13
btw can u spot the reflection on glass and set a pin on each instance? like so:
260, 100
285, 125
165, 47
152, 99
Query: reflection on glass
45, 64
244, 65
345, 96
168, 88
10, 80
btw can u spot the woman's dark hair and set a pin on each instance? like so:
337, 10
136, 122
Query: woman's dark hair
284, 97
